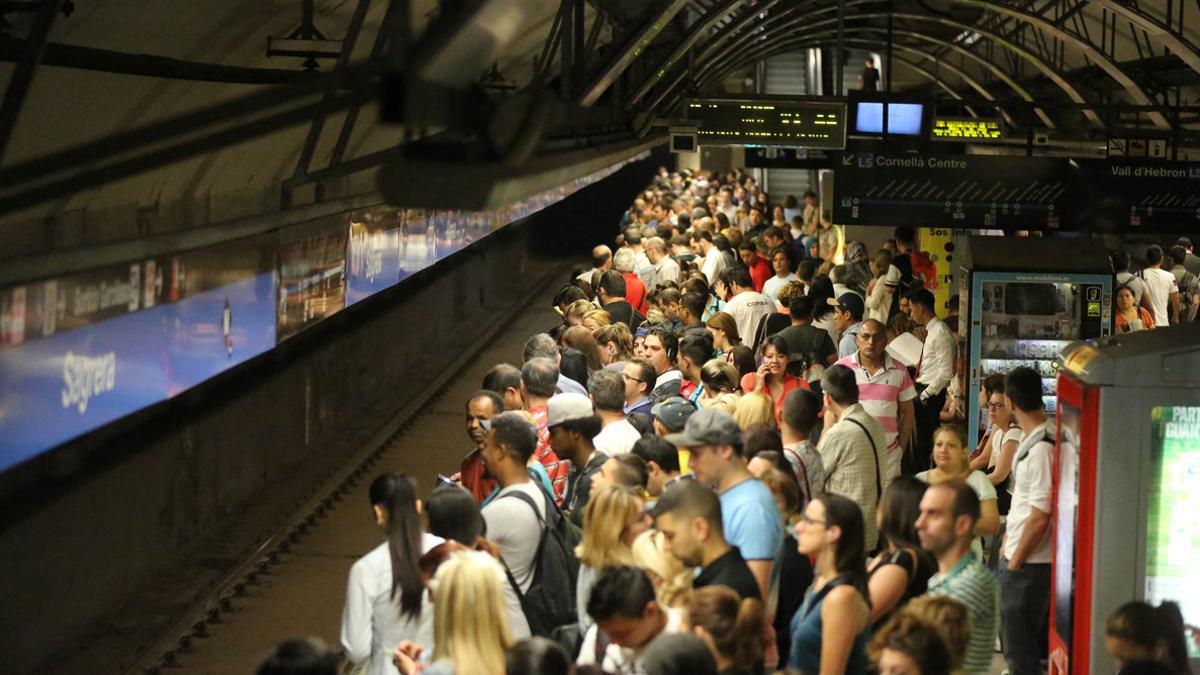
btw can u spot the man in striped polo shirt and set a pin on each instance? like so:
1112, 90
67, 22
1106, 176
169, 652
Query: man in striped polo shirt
885, 391
946, 526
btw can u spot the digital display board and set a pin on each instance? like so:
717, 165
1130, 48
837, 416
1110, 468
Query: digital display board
972, 129
903, 119
1173, 521
809, 124
83, 350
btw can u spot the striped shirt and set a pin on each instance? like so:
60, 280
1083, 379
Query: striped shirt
880, 395
558, 470
972, 585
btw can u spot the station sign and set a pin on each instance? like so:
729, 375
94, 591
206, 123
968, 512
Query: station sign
968, 191
1037, 193
777, 122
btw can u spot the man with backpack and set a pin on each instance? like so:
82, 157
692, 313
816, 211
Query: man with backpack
810, 347
536, 542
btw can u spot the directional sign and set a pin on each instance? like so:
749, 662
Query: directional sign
1050, 193
966, 191
789, 158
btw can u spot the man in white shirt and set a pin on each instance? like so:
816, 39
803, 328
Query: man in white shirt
1162, 288
641, 262
935, 369
511, 523
607, 389
601, 262
747, 307
1025, 564
714, 262
663, 266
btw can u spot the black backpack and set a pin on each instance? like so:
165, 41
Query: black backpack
550, 601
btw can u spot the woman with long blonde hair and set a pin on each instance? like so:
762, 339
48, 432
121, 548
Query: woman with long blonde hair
672, 580
612, 519
470, 620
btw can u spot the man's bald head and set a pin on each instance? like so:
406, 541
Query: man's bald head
602, 257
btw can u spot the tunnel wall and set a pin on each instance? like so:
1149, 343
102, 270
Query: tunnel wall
166, 486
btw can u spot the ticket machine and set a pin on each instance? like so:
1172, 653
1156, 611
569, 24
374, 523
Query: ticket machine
1126, 520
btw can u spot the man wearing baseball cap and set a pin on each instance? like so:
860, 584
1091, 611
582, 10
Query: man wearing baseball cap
749, 514
572, 424
848, 315
669, 417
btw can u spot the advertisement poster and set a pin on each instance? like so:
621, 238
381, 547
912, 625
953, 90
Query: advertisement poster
373, 259
1173, 524
86, 349
312, 273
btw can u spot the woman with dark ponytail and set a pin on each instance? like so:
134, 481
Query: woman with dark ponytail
731, 626
386, 601
1138, 632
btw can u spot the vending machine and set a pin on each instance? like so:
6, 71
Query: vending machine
1026, 299
1126, 521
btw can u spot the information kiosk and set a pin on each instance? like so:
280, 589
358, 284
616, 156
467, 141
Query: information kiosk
1126, 520
1027, 299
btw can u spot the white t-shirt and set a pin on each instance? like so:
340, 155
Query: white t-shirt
1160, 284
775, 284
616, 438
516, 530
747, 309
714, 264
1030, 489
1136, 285
372, 626
1000, 440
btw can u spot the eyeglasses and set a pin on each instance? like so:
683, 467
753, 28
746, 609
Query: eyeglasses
632, 379
996, 406
811, 521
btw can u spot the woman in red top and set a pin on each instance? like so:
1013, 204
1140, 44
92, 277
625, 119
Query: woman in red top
1129, 317
772, 377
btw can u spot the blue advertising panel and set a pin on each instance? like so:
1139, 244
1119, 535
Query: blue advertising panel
171, 324
80, 351
373, 261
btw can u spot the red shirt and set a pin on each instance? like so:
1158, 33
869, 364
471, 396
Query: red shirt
790, 383
760, 271
635, 292
557, 469
687, 387
471, 476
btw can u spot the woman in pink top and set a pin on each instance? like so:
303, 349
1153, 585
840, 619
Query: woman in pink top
772, 378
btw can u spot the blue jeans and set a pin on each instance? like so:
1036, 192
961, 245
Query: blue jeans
1025, 611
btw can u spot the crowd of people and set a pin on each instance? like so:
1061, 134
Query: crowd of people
714, 465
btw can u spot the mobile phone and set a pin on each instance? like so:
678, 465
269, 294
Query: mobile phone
446, 480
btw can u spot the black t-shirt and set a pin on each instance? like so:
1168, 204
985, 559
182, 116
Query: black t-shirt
808, 339
625, 313
732, 571
795, 576
870, 78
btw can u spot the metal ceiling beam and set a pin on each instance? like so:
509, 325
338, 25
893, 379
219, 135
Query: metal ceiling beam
150, 65
1176, 43
699, 30
1114, 69
787, 28
31, 56
633, 47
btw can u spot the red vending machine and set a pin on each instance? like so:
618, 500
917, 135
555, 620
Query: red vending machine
1126, 522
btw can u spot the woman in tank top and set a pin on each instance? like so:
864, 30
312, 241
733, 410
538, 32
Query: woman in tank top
829, 632
902, 569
